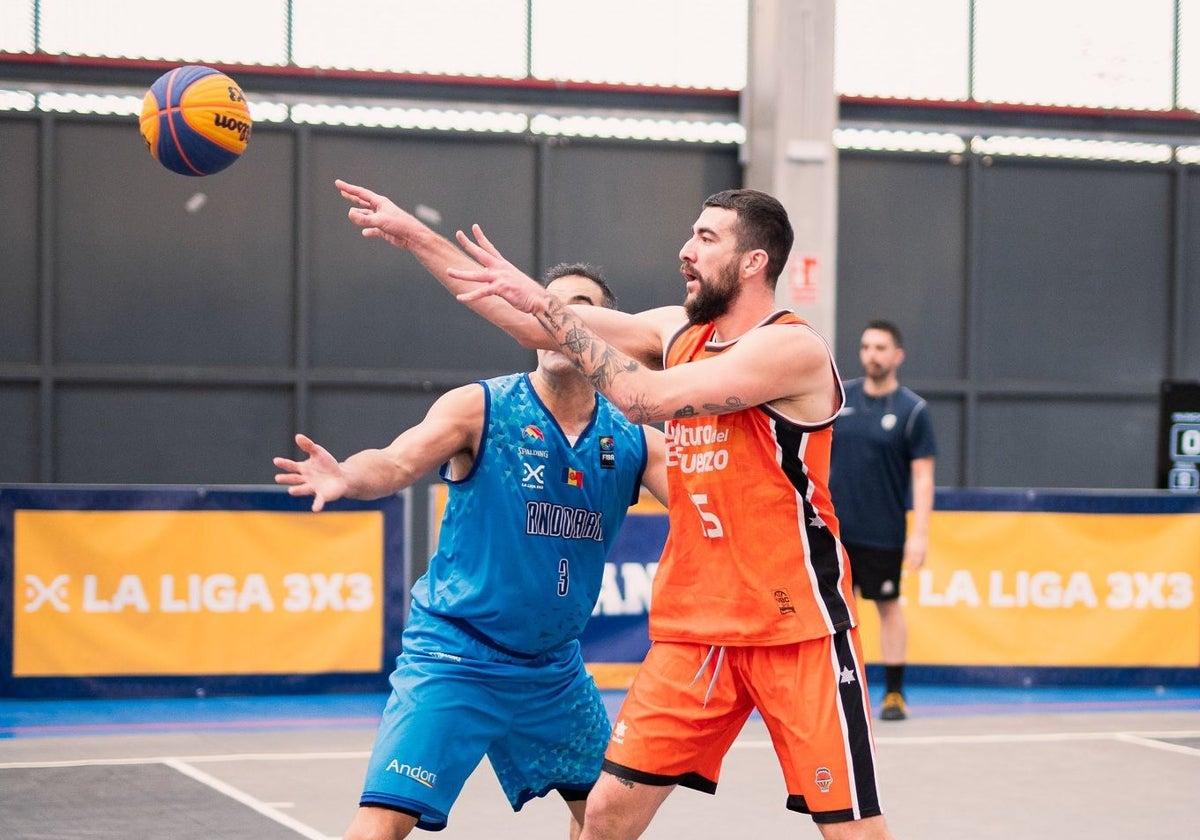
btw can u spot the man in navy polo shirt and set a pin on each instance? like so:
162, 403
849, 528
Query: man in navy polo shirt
882, 464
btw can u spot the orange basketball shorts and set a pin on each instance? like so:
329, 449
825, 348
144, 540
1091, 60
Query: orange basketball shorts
689, 701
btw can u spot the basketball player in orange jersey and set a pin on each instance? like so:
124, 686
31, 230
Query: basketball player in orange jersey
752, 605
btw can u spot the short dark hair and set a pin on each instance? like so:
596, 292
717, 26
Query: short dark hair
888, 327
762, 222
581, 269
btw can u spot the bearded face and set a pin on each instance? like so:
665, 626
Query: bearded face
879, 355
715, 295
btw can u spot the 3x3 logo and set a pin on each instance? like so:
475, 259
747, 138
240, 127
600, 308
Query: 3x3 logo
534, 475
54, 593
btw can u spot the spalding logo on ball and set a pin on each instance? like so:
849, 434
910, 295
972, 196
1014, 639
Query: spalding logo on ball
195, 120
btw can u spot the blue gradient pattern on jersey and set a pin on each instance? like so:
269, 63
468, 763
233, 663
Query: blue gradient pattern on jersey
541, 722
521, 550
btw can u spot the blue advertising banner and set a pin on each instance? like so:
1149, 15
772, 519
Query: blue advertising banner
1019, 585
617, 630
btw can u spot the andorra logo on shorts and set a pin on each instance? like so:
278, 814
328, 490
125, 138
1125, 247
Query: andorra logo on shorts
417, 773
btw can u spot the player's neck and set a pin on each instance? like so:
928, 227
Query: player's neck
747, 312
880, 387
569, 397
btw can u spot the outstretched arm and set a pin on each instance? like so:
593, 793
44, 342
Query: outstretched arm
786, 365
380, 217
641, 335
450, 432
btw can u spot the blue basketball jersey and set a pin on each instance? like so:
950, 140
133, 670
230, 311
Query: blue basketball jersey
520, 554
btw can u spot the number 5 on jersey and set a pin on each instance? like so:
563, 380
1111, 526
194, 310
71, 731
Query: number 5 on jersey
711, 523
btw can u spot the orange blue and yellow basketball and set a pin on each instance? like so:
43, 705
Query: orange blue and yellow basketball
195, 120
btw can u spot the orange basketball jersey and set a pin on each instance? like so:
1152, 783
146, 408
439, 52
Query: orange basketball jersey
753, 555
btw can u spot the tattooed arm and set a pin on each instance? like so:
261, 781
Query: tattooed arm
785, 365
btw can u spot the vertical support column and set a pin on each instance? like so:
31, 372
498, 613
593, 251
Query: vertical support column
790, 109
302, 222
47, 281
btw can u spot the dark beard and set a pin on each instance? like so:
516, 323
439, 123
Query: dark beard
714, 299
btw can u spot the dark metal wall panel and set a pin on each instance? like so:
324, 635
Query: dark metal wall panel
1188, 362
174, 434
1074, 273
197, 323
345, 419
374, 306
630, 208
18, 241
948, 431
152, 267
1041, 339
18, 433
901, 256
1083, 443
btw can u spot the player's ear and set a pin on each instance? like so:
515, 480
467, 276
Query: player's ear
754, 261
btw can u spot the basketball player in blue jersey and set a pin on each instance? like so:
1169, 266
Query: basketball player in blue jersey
541, 471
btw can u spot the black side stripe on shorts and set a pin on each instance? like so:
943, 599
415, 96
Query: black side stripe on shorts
852, 696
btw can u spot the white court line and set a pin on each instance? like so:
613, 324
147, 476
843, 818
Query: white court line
247, 800
190, 759
1143, 741
183, 765
1142, 738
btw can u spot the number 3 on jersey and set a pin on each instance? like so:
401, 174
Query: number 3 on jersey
564, 576
710, 522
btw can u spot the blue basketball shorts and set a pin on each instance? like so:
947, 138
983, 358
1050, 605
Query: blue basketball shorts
541, 723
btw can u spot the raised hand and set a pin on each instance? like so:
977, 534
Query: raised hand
379, 216
320, 475
497, 276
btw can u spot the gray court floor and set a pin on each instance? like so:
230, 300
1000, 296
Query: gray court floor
1101, 776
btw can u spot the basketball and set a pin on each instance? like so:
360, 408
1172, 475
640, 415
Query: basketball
195, 120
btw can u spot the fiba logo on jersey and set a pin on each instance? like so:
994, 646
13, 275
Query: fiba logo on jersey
608, 453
